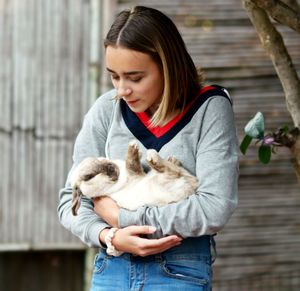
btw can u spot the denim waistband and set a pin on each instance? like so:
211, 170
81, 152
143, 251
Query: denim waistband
197, 247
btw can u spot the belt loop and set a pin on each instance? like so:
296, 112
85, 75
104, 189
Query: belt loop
214, 249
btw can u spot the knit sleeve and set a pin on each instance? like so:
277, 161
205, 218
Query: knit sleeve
90, 141
208, 210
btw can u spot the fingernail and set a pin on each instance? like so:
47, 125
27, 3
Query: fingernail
152, 228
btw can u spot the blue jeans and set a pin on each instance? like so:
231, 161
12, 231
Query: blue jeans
185, 267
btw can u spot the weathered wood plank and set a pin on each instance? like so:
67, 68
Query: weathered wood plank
51, 168
6, 66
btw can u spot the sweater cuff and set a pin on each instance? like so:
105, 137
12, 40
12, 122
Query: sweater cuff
95, 230
127, 217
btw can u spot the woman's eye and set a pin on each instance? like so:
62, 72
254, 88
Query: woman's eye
115, 77
136, 80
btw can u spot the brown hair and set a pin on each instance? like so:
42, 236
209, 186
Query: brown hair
150, 31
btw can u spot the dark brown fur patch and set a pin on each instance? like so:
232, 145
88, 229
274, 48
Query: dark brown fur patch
109, 169
76, 201
166, 166
157, 165
93, 169
133, 163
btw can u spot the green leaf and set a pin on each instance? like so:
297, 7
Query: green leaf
256, 126
264, 154
245, 144
285, 129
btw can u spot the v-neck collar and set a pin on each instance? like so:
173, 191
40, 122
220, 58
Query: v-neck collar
156, 137
159, 131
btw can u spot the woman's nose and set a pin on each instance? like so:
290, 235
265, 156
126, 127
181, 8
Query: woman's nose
123, 90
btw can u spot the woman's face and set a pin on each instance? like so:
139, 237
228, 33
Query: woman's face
136, 77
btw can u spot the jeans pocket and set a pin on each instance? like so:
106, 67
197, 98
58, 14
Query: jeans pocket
196, 270
100, 262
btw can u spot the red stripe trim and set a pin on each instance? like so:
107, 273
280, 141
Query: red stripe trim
158, 131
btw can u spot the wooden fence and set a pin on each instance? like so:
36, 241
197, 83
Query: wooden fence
45, 91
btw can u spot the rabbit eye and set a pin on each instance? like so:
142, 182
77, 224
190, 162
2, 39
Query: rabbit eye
87, 177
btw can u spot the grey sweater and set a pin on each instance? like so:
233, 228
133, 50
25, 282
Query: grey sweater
206, 146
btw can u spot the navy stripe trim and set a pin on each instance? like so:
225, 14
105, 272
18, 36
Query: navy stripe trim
147, 138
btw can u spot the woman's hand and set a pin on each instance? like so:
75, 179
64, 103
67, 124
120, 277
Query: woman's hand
129, 240
107, 209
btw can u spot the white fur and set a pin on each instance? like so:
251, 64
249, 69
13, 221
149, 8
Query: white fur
132, 191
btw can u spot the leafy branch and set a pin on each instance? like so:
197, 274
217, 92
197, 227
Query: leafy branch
255, 130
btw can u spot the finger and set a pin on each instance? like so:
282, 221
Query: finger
166, 244
157, 250
150, 246
152, 243
125, 241
142, 229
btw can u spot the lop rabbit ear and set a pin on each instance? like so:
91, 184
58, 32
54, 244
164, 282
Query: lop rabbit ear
77, 194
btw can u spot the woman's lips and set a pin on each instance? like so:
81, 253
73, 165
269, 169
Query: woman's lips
132, 102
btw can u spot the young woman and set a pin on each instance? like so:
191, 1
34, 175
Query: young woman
159, 99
